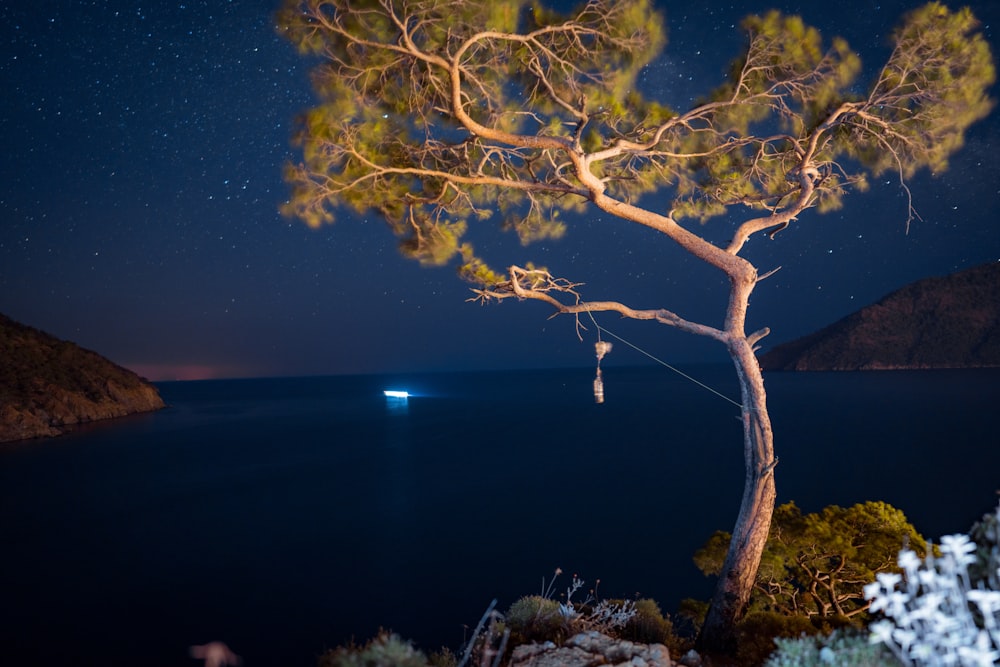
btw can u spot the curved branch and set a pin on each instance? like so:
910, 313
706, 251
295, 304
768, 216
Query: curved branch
458, 108
538, 284
481, 179
756, 336
808, 177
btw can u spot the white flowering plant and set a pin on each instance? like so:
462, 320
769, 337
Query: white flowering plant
592, 614
935, 614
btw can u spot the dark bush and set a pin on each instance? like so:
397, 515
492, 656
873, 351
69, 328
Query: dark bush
648, 626
756, 632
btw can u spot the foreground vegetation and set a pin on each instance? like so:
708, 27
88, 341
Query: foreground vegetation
897, 601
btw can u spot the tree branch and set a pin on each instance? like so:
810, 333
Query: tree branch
538, 284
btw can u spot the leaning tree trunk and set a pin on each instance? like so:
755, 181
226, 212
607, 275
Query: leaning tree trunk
736, 580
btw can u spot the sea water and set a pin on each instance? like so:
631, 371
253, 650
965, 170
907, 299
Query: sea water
285, 516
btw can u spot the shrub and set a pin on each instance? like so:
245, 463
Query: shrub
648, 625
843, 649
985, 570
817, 564
386, 650
534, 618
540, 618
443, 658
756, 633
691, 615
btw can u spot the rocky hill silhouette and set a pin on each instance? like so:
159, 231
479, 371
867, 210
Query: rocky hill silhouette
48, 384
943, 322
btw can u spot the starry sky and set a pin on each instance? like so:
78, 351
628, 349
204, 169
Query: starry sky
143, 145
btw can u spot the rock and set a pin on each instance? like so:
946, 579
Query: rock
946, 322
691, 659
19, 423
47, 384
589, 649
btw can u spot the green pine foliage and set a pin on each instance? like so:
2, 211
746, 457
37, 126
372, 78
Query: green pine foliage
816, 565
441, 114
932, 88
383, 140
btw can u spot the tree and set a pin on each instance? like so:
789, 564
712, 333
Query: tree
816, 565
438, 114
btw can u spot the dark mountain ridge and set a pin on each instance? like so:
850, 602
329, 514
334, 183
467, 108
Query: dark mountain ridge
942, 322
48, 384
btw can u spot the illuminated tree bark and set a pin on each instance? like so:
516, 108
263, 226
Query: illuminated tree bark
438, 114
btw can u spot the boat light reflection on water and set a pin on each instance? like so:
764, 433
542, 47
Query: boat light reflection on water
397, 401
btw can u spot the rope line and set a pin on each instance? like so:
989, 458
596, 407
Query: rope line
661, 362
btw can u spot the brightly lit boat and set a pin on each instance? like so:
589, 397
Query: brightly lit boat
393, 393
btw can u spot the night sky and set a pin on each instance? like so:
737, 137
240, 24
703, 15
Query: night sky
143, 146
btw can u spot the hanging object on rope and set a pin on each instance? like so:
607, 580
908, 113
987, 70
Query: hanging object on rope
602, 348
598, 388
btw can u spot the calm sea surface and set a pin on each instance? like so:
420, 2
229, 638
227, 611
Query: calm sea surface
284, 516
